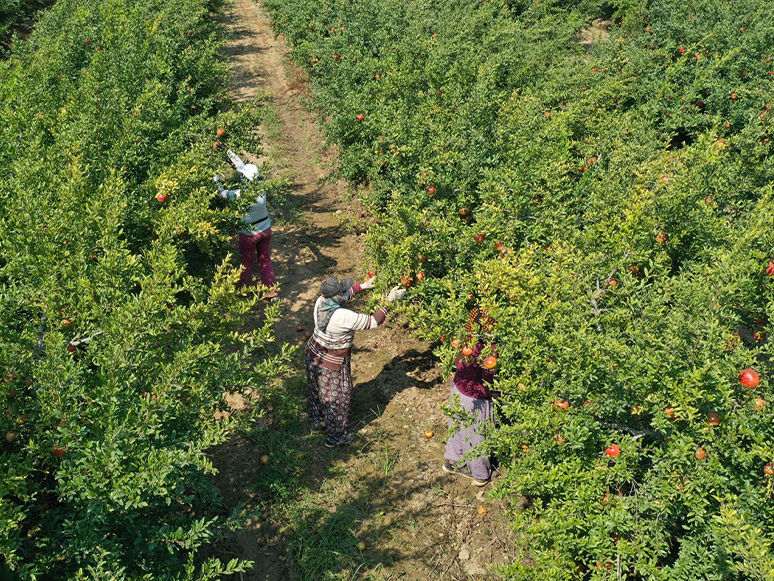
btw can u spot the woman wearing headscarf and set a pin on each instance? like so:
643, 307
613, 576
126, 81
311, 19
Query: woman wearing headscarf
472, 378
328, 351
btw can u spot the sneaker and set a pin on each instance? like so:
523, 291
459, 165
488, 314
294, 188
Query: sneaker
317, 427
463, 471
347, 440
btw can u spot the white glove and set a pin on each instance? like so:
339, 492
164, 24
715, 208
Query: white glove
396, 293
368, 284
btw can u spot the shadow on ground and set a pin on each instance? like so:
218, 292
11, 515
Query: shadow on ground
308, 507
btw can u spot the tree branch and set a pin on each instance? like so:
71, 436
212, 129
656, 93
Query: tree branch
76, 342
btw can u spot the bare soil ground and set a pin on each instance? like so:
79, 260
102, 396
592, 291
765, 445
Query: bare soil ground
308, 507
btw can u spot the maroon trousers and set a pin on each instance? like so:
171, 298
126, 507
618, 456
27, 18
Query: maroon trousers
249, 246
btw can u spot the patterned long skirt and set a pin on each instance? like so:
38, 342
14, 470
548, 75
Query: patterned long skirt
329, 397
471, 435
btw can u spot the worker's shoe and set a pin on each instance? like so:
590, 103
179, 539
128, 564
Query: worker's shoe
347, 439
463, 471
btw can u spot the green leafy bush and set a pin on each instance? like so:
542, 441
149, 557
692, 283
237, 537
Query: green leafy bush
598, 174
17, 16
119, 322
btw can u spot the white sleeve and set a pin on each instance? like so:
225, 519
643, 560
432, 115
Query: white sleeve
250, 171
344, 320
235, 159
228, 194
314, 310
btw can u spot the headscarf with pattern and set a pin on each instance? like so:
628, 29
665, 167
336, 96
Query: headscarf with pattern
327, 308
479, 322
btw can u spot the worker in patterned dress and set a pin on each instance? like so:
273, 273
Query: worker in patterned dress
328, 352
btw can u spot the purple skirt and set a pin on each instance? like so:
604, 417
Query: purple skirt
470, 436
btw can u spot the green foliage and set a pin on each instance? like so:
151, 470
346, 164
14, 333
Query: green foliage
119, 322
616, 158
15, 15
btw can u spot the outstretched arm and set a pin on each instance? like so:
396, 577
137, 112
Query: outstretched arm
364, 322
380, 315
229, 194
356, 288
224, 193
249, 170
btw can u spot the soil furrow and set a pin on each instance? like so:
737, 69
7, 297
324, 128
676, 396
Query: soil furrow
309, 506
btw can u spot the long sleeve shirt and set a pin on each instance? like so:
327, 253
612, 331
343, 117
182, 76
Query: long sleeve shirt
333, 344
257, 219
470, 378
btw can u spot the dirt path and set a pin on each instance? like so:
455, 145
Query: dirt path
308, 507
